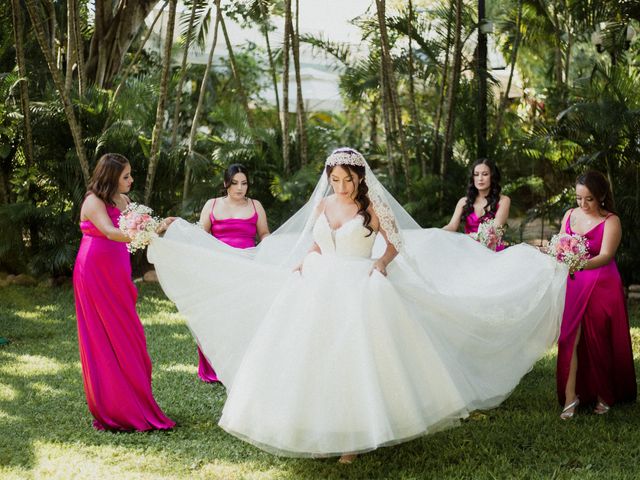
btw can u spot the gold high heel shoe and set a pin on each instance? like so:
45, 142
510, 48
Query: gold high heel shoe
569, 411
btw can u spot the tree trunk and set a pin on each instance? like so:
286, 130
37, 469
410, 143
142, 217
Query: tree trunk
557, 67
154, 155
386, 117
196, 114
567, 62
18, 35
70, 50
183, 69
512, 62
79, 44
272, 64
387, 66
127, 72
235, 71
125, 76
301, 121
286, 154
451, 94
373, 124
4, 194
74, 126
443, 91
412, 98
114, 32
50, 28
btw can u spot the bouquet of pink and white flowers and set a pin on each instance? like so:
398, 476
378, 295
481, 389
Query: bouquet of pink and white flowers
138, 223
489, 234
572, 250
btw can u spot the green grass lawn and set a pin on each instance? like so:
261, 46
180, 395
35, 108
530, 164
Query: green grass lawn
45, 426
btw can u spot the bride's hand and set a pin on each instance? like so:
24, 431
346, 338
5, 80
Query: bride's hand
298, 268
164, 224
380, 266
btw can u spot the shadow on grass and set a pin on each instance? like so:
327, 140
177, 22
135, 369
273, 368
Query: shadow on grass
42, 403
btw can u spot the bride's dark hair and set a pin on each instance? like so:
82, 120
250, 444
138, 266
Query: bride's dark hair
361, 199
494, 191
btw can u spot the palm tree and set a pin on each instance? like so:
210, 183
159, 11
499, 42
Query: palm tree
115, 29
58, 80
127, 72
18, 35
196, 114
235, 71
415, 119
74, 48
452, 91
183, 70
512, 62
390, 86
264, 13
443, 88
300, 114
286, 161
154, 155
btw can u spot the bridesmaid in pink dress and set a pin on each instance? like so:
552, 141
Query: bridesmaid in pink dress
483, 200
595, 360
116, 368
235, 220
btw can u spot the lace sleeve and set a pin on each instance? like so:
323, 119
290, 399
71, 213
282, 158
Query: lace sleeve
386, 217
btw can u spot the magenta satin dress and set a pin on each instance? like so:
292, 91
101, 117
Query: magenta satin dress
595, 300
116, 368
237, 233
472, 222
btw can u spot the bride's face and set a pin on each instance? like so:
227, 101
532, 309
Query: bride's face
343, 182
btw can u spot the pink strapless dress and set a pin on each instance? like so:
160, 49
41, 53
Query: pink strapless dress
237, 233
595, 300
472, 222
116, 368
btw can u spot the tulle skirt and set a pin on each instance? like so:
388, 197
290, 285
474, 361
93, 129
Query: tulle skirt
337, 360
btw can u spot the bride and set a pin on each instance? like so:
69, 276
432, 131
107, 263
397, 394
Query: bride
383, 333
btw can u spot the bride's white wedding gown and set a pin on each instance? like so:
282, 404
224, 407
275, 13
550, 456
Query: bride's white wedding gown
336, 360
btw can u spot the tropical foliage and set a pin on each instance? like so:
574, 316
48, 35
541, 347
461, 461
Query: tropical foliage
78, 79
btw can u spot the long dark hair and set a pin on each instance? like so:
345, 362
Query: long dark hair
599, 187
494, 191
361, 198
230, 172
106, 176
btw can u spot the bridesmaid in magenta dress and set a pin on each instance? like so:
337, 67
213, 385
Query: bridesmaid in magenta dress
483, 200
235, 220
116, 368
595, 360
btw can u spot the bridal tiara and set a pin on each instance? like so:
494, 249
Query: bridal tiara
345, 156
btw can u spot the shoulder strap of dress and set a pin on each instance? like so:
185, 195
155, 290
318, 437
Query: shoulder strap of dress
254, 206
568, 224
213, 205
